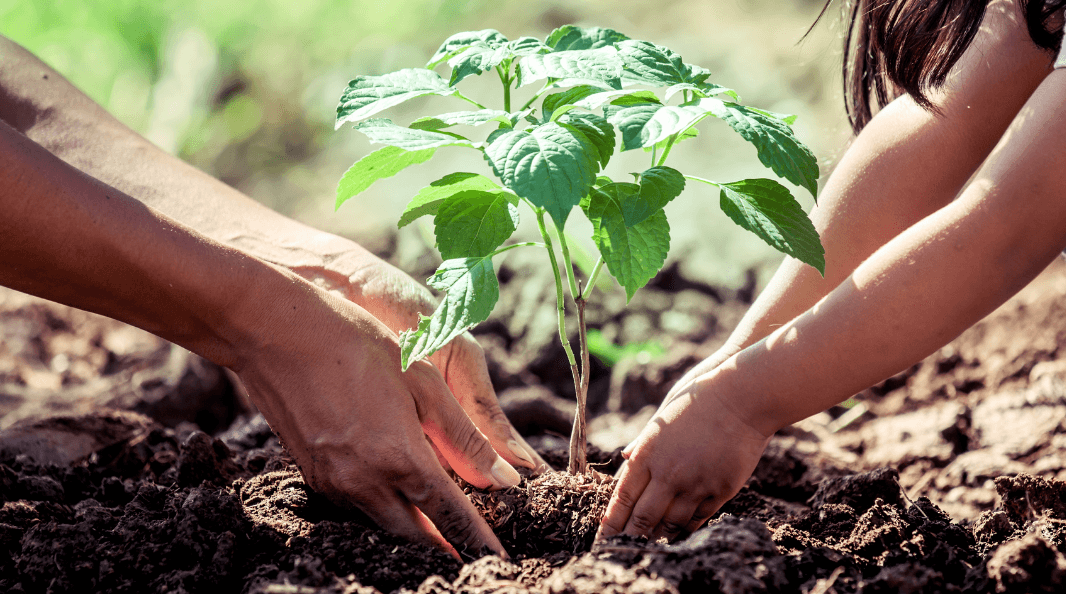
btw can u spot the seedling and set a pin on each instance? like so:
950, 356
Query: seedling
597, 87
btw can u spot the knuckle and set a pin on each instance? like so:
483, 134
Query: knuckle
641, 523
696, 522
471, 442
625, 499
457, 528
492, 410
393, 464
479, 449
671, 528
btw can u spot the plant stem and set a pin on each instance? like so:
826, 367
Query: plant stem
578, 437
506, 80
579, 434
559, 298
569, 264
593, 277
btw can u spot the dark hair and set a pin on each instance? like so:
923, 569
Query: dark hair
893, 47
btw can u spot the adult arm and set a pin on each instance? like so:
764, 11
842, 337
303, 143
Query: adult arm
39, 102
323, 371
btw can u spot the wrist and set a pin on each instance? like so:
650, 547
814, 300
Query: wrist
267, 302
733, 389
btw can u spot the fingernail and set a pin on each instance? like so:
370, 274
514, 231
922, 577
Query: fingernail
504, 474
520, 452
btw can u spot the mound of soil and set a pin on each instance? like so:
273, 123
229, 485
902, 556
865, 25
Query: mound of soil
950, 477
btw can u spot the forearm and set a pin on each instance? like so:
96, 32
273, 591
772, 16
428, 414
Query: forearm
927, 285
70, 238
906, 164
40, 103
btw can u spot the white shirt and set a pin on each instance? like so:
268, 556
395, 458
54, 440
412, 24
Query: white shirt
1061, 61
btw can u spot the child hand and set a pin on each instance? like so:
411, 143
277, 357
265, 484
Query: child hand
693, 456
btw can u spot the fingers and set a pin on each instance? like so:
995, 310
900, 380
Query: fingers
631, 484
464, 368
394, 513
676, 519
451, 512
703, 512
649, 509
490, 418
641, 505
461, 444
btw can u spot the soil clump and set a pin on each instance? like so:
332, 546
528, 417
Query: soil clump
950, 477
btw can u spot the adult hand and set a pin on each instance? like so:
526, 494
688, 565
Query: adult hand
692, 457
396, 300
326, 375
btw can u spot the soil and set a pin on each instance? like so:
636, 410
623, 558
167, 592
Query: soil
116, 474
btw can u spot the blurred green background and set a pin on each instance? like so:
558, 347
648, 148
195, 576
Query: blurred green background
247, 91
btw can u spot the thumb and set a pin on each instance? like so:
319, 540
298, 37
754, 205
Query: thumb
456, 437
462, 362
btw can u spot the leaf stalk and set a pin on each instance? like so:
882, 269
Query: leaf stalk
666, 151
516, 245
593, 278
469, 100
547, 84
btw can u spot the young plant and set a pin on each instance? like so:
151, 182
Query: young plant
597, 87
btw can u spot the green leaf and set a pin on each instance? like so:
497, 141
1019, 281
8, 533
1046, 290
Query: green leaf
368, 95
767, 209
429, 198
463, 118
476, 59
648, 124
658, 186
704, 89
383, 131
566, 99
382, 163
475, 222
571, 37
527, 46
687, 134
654, 65
634, 255
596, 129
574, 67
550, 165
460, 41
777, 146
472, 292
622, 97
483, 56
784, 117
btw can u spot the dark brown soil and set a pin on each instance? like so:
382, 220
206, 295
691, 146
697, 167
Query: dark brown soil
947, 478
